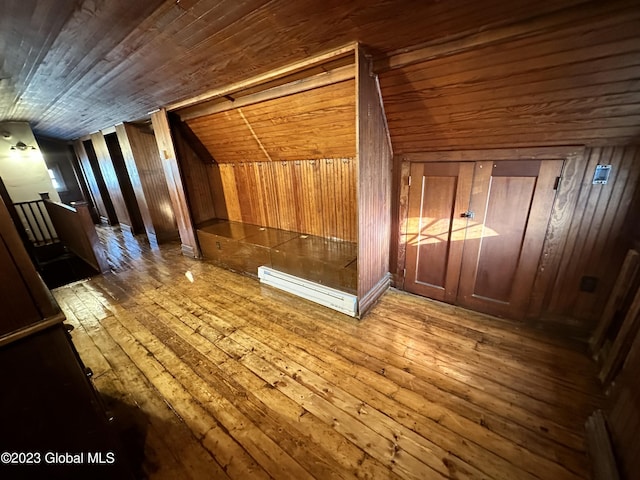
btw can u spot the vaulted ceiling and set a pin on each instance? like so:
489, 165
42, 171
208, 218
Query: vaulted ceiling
72, 67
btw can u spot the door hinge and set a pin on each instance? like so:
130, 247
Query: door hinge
556, 183
409, 180
404, 273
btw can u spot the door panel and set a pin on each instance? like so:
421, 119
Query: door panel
435, 233
512, 201
487, 260
502, 235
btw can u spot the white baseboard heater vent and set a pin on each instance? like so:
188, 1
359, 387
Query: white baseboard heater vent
329, 297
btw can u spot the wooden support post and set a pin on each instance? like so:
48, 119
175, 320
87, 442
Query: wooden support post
177, 191
620, 290
623, 340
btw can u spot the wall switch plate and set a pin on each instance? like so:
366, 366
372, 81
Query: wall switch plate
601, 175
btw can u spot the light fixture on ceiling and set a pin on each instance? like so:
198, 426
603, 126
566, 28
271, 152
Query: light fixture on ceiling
22, 146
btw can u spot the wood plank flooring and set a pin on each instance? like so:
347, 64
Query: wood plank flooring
236, 380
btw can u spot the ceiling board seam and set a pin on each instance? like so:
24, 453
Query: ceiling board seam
253, 134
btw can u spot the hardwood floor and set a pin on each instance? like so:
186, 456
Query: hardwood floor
231, 379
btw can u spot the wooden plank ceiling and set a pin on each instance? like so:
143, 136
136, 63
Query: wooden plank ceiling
72, 67
564, 79
318, 123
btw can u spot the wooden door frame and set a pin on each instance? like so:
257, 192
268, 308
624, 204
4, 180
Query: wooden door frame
557, 231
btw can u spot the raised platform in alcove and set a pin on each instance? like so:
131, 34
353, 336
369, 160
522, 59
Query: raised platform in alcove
244, 247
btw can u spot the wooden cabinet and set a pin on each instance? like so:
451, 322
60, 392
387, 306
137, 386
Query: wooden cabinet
476, 229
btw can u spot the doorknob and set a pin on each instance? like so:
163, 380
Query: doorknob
467, 214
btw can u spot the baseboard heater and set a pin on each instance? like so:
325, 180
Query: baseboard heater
327, 296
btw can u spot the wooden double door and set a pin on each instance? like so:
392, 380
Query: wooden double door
475, 231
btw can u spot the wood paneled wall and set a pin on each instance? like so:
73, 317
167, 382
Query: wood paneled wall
124, 181
287, 162
568, 79
134, 178
93, 178
595, 233
589, 233
110, 178
374, 187
164, 141
314, 124
147, 178
198, 171
315, 197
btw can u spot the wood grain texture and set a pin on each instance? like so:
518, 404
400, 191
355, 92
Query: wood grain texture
85, 66
623, 341
434, 231
124, 180
152, 184
315, 197
195, 171
111, 179
317, 71
572, 83
134, 178
261, 384
25, 298
590, 230
18, 307
174, 181
624, 413
374, 180
314, 124
90, 178
616, 302
77, 232
597, 234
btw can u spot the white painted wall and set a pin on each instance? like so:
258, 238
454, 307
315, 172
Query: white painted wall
24, 173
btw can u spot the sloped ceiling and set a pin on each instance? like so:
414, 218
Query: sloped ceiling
72, 67
574, 81
318, 123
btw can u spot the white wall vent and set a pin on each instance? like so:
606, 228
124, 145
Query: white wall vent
329, 297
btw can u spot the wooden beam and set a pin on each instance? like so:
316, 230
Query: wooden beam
177, 191
622, 343
620, 290
297, 86
457, 44
348, 49
537, 153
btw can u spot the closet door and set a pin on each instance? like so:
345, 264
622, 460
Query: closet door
511, 204
435, 230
